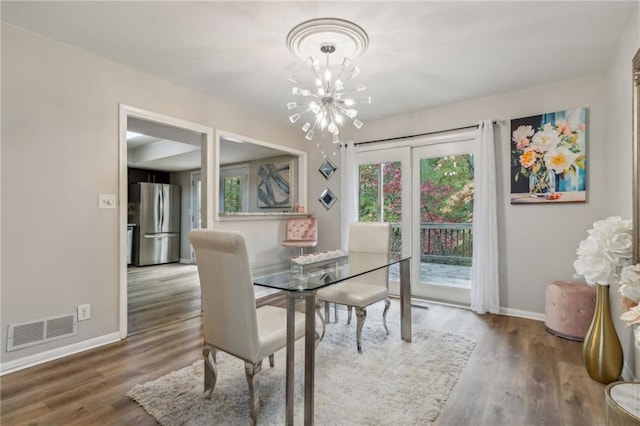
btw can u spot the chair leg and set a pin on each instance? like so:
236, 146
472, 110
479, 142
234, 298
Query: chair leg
387, 304
335, 312
349, 312
361, 316
327, 312
322, 320
210, 369
252, 371
272, 359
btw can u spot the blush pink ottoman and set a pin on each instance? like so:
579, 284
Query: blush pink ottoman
569, 309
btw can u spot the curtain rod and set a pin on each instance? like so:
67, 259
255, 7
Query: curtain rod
425, 134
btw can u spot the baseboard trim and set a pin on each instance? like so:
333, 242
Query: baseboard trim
57, 353
537, 316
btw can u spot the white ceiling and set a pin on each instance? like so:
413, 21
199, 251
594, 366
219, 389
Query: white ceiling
421, 54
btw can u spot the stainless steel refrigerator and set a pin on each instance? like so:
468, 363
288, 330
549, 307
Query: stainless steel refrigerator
155, 209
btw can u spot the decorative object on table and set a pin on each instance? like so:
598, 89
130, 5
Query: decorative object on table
274, 180
601, 256
569, 308
327, 99
548, 158
327, 198
318, 257
343, 392
327, 169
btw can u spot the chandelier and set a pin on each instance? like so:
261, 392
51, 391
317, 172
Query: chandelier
328, 102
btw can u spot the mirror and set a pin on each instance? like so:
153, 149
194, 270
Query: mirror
635, 214
327, 169
258, 178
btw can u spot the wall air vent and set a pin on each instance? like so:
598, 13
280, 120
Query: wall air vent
25, 334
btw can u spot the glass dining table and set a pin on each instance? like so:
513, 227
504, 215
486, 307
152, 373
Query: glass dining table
301, 281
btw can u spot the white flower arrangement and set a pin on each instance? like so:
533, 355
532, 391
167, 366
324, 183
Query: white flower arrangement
607, 249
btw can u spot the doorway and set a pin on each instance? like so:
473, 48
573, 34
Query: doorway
442, 216
424, 188
170, 149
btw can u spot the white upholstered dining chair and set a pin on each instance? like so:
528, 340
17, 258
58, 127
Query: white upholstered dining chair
231, 321
364, 290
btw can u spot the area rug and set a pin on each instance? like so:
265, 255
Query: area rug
392, 382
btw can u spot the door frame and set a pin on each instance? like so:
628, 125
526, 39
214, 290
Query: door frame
207, 170
196, 205
445, 137
375, 155
446, 294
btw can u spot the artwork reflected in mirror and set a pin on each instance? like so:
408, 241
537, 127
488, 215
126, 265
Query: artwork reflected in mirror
274, 184
257, 178
327, 169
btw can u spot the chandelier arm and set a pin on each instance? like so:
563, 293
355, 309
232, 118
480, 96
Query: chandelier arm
344, 67
314, 67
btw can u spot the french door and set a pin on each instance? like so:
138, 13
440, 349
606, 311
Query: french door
425, 190
442, 208
383, 179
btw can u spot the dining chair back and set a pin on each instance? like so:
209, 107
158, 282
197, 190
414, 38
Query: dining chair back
232, 323
364, 290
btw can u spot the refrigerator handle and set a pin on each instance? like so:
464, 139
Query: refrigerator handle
163, 194
158, 211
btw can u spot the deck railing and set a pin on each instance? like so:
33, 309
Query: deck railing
440, 242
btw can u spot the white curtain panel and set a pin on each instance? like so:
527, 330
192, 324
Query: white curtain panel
348, 191
485, 287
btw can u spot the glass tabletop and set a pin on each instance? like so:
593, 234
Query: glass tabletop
316, 275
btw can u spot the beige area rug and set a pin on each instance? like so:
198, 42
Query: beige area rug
391, 383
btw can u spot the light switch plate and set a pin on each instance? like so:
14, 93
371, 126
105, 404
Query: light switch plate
106, 201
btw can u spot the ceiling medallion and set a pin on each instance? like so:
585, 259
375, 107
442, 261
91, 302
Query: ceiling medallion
327, 100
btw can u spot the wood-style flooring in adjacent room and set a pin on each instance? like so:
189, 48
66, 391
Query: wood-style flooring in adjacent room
161, 294
517, 375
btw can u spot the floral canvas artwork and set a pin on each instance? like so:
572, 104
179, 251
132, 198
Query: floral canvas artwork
548, 158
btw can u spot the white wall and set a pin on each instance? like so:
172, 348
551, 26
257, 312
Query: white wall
537, 242
59, 151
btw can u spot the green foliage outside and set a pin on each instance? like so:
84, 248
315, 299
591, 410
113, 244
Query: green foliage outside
446, 187
232, 194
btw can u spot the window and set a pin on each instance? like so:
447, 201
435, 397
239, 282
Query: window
234, 189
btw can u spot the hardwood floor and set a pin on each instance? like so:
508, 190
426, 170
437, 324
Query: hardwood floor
517, 375
161, 294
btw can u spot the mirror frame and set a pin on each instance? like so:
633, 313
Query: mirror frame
301, 183
635, 213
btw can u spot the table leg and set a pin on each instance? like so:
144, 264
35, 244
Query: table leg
309, 356
291, 340
405, 300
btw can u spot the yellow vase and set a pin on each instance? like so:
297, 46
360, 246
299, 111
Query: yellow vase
602, 351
